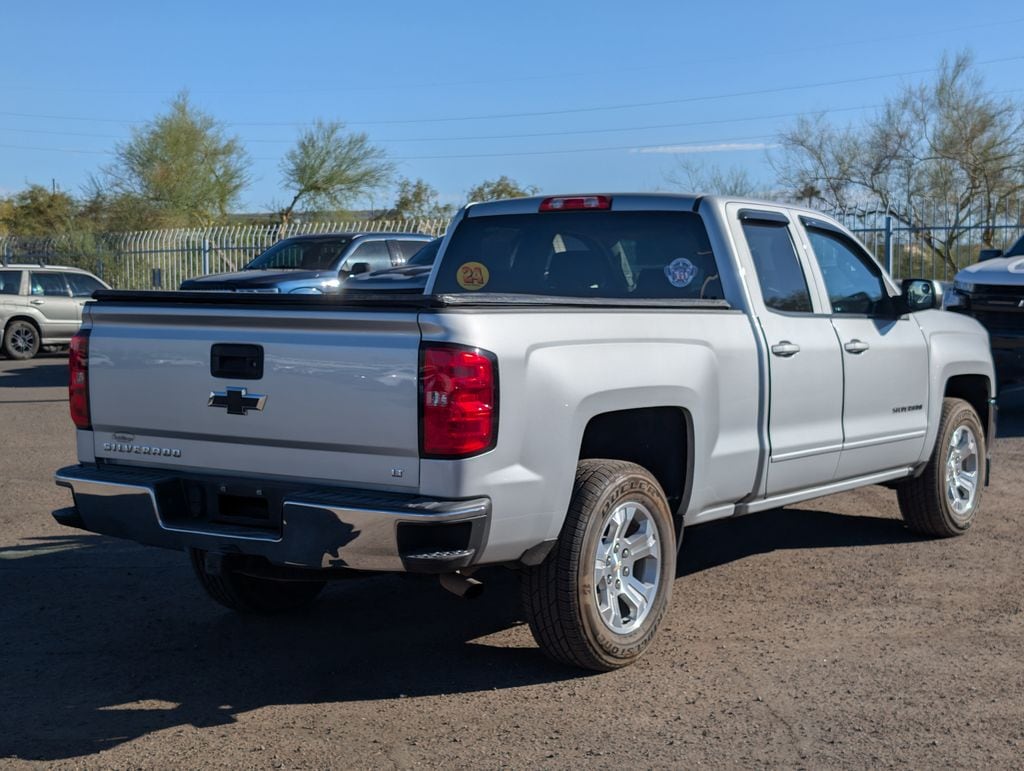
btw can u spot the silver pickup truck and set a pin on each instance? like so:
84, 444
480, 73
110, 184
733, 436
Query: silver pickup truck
580, 378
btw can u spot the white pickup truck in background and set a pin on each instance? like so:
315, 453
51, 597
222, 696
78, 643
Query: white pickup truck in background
581, 378
992, 291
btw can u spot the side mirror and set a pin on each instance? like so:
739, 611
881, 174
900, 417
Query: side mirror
359, 267
919, 294
989, 254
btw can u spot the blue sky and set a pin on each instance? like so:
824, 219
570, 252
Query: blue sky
571, 96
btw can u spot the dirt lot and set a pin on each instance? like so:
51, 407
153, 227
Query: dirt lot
822, 635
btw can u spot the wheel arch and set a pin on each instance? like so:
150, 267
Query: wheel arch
658, 438
24, 317
976, 390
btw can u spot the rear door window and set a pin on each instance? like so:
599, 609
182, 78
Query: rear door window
638, 255
782, 280
407, 248
49, 285
374, 253
10, 281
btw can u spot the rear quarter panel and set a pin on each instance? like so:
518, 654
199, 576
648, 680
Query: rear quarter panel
559, 368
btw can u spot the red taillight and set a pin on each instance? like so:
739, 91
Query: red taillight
458, 401
576, 202
78, 379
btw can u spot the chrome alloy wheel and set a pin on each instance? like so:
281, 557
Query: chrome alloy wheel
962, 464
627, 567
23, 339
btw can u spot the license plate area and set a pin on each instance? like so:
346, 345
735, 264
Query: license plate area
197, 503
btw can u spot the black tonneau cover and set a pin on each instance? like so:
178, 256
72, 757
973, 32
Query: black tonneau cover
394, 300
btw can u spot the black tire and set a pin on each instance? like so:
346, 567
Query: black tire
249, 594
561, 596
926, 503
21, 340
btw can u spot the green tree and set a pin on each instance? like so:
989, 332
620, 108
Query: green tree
38, 212
496, 189
415, 198
181, 168
329, 169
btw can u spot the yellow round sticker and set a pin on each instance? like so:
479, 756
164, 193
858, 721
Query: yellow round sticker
473, 276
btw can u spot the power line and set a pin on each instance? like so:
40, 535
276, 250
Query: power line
636, 147
482, 137
564, 111
527, 135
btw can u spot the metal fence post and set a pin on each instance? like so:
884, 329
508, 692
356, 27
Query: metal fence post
206, 256
888, 243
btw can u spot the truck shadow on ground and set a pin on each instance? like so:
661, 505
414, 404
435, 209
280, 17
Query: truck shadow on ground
36, 374
105, 641
725, 541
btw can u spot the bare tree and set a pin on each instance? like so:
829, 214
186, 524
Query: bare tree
329, 168
699, 177
949, 148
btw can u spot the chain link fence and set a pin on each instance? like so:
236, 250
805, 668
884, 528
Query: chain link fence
935, 245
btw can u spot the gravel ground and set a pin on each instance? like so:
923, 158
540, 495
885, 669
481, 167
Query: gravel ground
820, 635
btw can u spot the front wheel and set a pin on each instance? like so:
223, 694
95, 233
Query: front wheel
251, 594
945, 498
597, 600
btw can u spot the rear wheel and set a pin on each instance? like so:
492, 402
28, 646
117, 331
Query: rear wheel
945, 498
250, 594
21, 340
597, 600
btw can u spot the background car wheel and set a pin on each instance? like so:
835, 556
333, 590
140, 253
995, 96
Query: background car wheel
21, 340
597, 600
248, 594
944, 500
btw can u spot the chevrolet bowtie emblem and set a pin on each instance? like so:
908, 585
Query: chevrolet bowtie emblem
237, 400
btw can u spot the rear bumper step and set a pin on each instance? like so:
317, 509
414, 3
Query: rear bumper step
289, 525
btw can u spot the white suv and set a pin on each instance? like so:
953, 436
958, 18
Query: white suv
42, 305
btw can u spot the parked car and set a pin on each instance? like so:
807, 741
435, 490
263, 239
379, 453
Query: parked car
992, 291
41, 305
582, 378
411, 277
314, 264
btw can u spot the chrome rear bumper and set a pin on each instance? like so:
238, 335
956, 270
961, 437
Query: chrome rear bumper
309, 527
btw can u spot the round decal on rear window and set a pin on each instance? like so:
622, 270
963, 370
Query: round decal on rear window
473, 276
680, 272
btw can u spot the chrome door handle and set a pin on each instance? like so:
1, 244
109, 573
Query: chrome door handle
856, 346
785, 348
37, 302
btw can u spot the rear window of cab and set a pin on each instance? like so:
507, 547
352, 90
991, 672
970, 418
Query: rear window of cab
639, 255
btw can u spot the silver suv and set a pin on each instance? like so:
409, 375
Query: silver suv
42, 305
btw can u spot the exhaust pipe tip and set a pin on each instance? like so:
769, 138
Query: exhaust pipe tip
461, 586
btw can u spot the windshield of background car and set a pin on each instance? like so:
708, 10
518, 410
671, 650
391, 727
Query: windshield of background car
318, 254
427, 254
1017, 249
609, 254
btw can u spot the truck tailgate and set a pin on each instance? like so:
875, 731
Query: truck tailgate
340, 388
